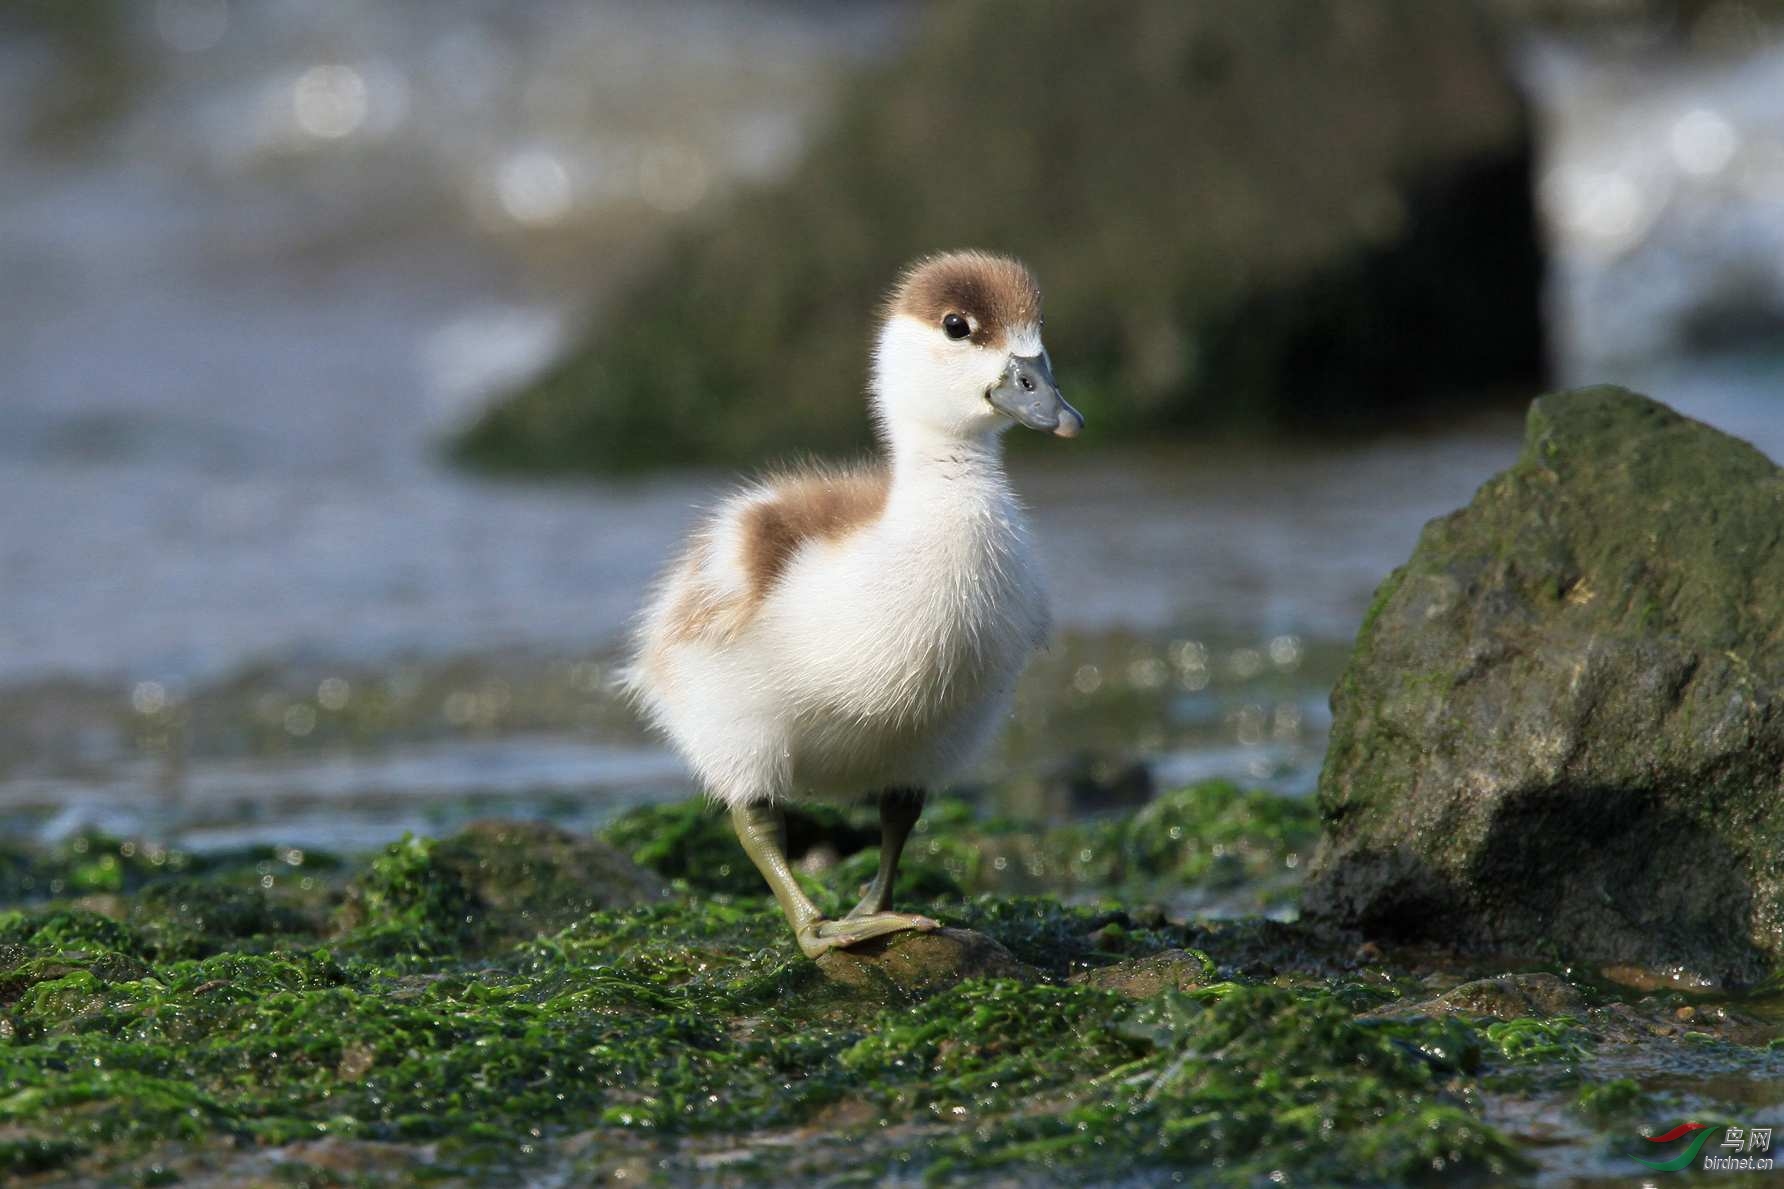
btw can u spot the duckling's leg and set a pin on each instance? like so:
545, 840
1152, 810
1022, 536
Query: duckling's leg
761, 828
899, 811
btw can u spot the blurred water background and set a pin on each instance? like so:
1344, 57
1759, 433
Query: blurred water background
261, 259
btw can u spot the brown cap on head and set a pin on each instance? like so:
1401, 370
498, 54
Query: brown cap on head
993, 293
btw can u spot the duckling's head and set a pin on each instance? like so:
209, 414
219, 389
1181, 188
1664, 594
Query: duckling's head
959, 355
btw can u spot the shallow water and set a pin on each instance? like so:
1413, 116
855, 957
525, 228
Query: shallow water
238, 349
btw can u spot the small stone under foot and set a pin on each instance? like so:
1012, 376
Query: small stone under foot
903, 966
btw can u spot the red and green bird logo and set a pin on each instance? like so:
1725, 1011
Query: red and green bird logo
1699, 1132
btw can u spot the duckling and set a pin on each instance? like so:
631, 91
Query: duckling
830, 631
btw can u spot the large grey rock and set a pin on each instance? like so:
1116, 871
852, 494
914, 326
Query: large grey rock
1562, 728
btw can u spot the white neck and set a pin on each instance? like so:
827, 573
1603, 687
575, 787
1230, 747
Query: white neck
919, 454
940, 483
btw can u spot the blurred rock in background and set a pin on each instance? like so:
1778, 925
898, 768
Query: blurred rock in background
1258, 218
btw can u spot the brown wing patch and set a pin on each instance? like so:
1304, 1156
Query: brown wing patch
994, 293
822, 505
794, 509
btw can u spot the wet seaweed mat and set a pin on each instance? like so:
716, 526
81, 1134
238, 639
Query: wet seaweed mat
516, 1002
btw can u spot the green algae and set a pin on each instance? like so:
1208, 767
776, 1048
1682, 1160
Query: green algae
494, 882
1538, 1040
1242, 1079
1209, 836
194, 1022
1217, 833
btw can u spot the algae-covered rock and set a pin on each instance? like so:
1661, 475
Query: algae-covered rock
1562, 728
1218, 834
1251, 216
911, 965
195, 917
1142, 978
496, 880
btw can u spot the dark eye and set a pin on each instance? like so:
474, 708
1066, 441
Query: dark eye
955, 326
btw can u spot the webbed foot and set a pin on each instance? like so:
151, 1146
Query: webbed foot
822, 936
